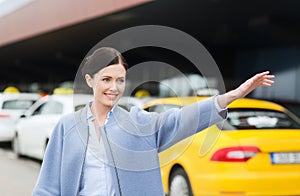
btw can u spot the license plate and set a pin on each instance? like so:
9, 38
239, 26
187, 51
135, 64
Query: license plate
285, 157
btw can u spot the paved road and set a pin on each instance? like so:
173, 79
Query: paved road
17, 175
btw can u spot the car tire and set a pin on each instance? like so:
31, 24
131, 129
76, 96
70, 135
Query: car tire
179, 183
16, 146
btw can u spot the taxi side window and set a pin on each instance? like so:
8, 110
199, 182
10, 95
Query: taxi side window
78, 107
127, 106
38, 110
161, 108
52, 107
157, 108
150, 109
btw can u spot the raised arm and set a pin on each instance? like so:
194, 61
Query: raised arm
260, 79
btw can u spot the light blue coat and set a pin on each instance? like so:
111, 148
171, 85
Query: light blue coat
132, 142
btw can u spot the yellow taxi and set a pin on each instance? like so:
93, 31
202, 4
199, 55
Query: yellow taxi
255, 151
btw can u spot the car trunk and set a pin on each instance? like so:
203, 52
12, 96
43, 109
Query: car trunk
279, 149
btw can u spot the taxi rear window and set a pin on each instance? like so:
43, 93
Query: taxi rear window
259, 119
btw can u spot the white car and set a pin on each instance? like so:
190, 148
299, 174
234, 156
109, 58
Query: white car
127, 102
34, 129
12, 106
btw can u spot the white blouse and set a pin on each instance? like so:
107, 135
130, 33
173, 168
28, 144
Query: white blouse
96, 176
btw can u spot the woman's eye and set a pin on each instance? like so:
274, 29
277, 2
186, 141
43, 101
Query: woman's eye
121, 80
105, 79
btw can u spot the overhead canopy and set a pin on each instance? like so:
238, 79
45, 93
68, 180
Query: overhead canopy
45, 41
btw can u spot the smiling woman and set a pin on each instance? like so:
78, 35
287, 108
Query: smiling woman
105, 72
104, 149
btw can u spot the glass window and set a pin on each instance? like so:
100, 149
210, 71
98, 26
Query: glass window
17, 104
52, 107
161, 108
38, 110
78, 107
259, 119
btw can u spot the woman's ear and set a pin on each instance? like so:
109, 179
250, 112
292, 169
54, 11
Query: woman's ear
89, 80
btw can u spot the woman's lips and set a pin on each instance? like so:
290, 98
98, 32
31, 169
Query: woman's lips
111, 96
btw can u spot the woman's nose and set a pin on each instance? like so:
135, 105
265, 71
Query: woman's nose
114, 86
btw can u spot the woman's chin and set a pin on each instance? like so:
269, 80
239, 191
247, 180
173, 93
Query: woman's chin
111, 103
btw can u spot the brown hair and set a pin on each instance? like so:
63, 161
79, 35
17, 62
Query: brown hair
100, 58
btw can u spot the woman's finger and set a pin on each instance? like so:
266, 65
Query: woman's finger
267, 84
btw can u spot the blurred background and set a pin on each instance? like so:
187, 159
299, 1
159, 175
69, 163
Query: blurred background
42, 43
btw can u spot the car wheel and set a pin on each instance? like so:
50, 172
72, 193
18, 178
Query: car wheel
180, 184
16, 146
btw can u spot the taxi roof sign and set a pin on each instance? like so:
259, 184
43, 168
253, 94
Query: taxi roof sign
63, 91
11, 89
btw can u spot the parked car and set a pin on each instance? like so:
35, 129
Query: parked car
127, 102
12, 106
255, 152
291, 106
34, 129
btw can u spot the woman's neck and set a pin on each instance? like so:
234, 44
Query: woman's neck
100, 112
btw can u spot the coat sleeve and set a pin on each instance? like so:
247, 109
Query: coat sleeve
48, 182
177, 124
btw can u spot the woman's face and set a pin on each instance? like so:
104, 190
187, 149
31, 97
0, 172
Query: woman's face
108, 84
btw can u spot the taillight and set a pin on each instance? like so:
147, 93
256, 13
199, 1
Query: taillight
3, 115
235, 154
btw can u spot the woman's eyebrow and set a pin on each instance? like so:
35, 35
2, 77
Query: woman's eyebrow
106, 76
